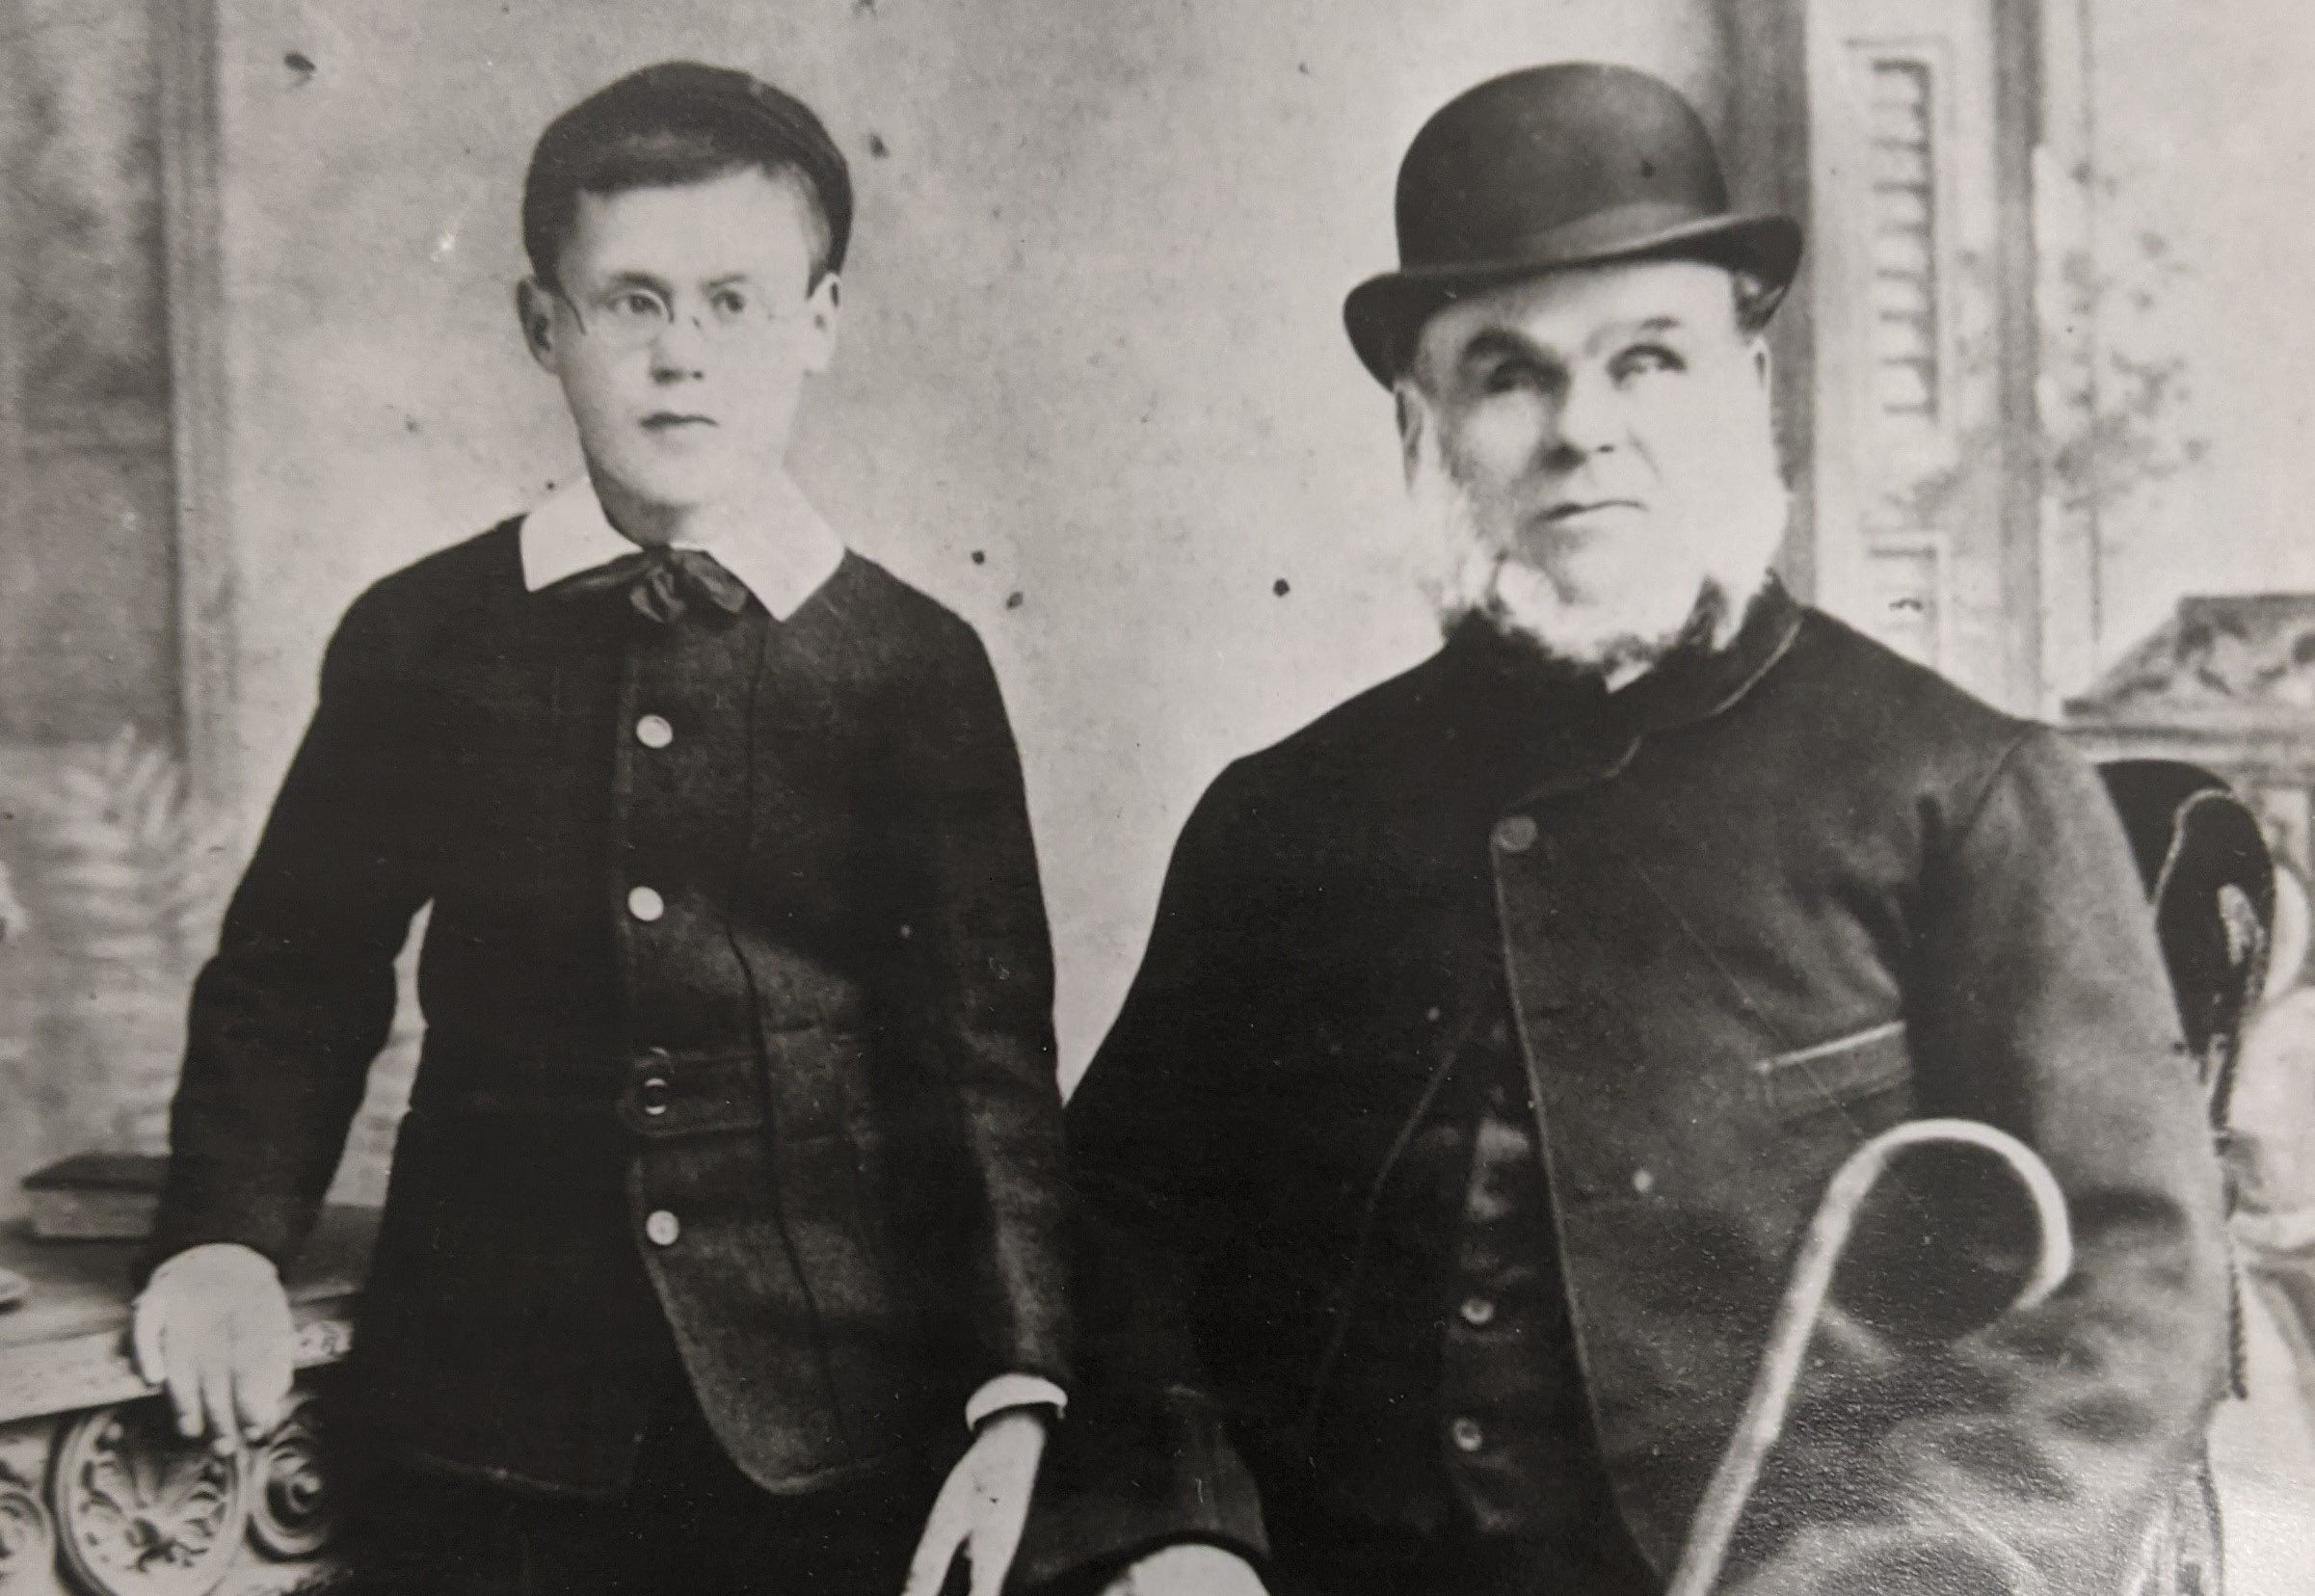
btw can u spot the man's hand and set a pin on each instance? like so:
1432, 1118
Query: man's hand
981, 1509
213, 1326
1189, 1569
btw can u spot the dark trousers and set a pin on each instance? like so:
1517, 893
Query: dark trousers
692, 1525
1329, 1556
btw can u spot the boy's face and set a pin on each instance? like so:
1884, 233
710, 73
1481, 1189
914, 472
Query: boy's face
681, 327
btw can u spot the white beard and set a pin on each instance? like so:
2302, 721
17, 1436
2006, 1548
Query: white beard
1464, 569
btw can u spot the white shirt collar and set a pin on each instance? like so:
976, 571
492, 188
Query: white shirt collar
783, 549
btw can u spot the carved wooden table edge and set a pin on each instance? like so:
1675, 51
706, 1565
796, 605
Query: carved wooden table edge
99, 1494
96, 1369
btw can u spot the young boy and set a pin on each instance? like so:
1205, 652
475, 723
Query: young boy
729, 1195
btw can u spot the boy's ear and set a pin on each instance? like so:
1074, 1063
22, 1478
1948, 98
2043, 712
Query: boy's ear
822, 314
534, 309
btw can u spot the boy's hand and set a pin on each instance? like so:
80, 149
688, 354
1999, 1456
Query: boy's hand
981, 1509
213, 1326
1192, 1568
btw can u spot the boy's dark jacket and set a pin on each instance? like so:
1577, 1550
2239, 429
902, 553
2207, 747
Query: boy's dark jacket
830, 1059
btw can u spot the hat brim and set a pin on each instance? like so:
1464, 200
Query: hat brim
1384, 313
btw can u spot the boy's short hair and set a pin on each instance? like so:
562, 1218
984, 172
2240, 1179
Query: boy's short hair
681, 122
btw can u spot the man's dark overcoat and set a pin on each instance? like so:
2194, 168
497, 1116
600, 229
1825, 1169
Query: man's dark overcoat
1747, 912
795, 1123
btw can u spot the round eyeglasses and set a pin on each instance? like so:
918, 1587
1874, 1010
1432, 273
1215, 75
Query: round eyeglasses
633, 316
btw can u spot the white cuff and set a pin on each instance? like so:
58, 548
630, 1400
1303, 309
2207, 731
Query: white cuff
1012, 1391
232, 1254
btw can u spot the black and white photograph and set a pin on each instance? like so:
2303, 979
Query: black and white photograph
1157, 798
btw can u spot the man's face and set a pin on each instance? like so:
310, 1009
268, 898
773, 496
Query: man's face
1601, 439
682, 323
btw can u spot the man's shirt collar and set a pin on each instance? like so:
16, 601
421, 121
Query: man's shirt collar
783, 549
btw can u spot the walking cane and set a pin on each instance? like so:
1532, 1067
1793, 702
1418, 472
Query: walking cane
1765, 1409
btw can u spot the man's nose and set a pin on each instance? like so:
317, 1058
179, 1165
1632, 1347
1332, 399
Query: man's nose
1590, 419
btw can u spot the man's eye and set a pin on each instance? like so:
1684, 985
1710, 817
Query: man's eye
1510, 377
635, 305
1643, 359
730, 302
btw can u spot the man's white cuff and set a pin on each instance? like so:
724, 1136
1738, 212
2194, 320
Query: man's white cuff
1012, 1391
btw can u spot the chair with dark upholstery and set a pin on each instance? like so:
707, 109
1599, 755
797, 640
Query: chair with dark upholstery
2211, 883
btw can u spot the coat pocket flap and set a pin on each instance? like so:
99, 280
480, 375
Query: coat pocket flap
1837, 1071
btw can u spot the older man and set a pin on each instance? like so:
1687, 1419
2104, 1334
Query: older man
1500, 1032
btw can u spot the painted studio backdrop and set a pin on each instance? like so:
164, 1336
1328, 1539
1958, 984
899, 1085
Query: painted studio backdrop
258, 348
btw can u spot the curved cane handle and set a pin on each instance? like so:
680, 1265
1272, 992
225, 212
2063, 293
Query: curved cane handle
1764, 1417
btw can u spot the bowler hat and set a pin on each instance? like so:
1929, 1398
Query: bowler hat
1552, 168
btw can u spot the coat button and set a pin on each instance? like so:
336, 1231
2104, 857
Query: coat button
653, 731
1515, 834
1643, 1181
652, 1093
1477, 1311
645, 904
1467, 1435
662, 1227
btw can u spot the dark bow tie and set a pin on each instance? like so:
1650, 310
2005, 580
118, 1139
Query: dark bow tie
661, 582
